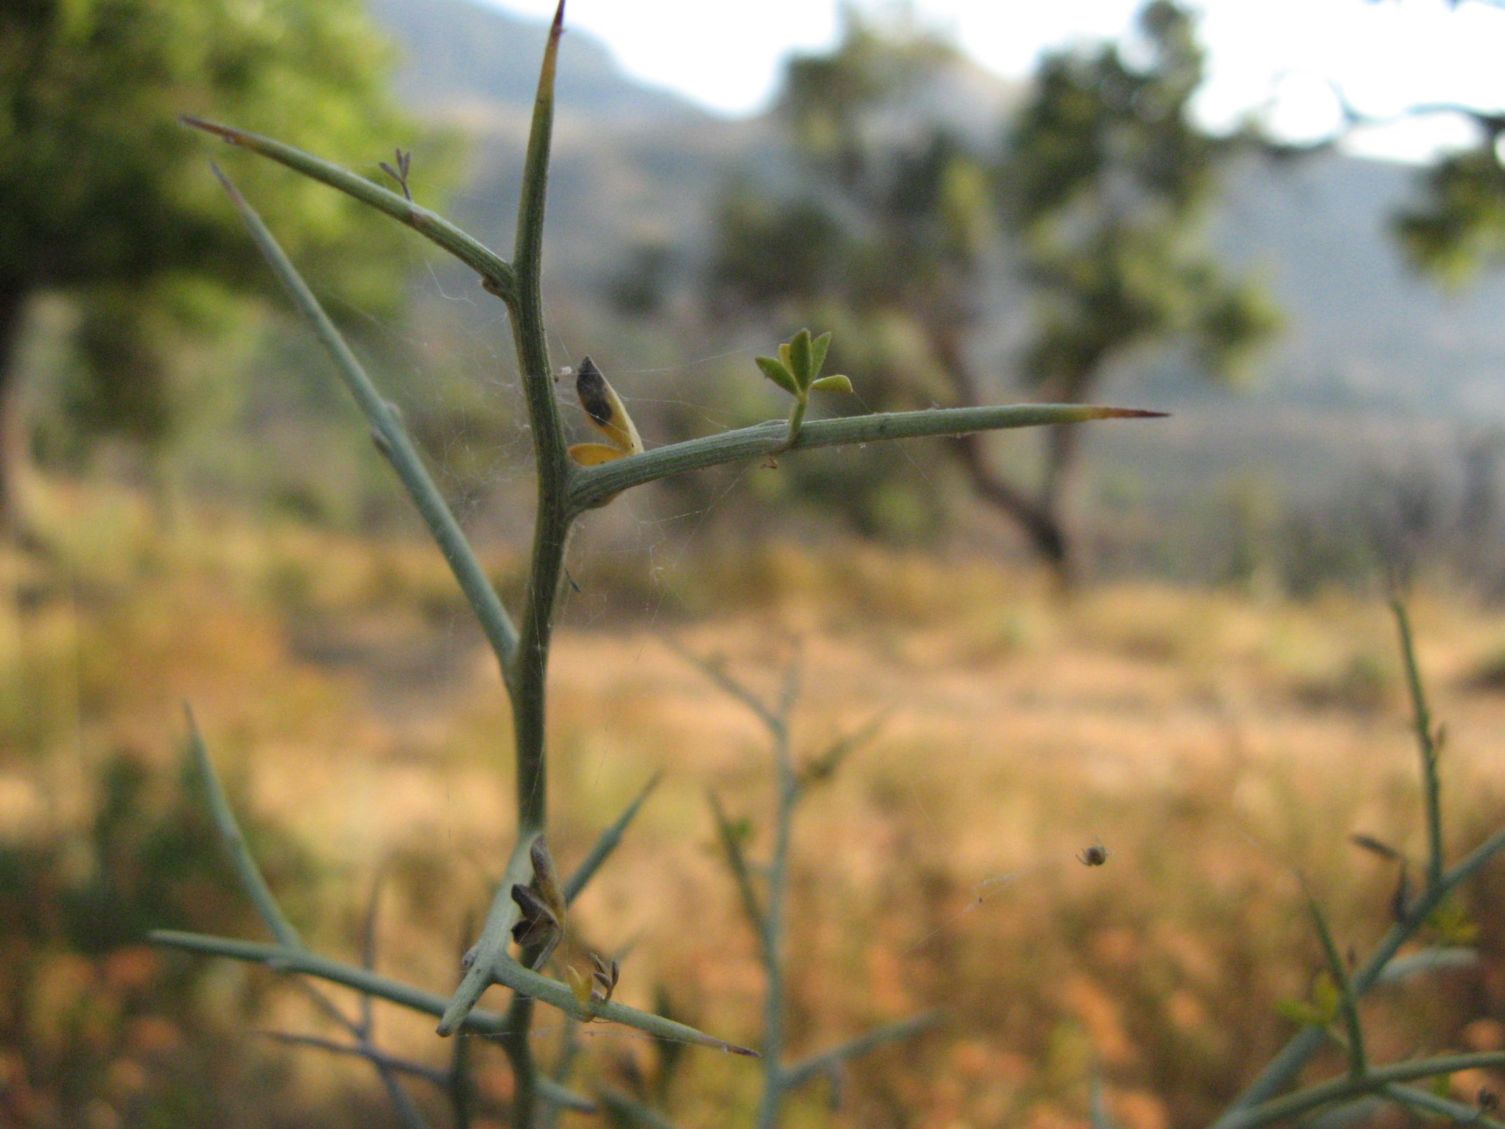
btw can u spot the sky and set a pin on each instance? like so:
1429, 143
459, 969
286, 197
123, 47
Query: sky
1384, 54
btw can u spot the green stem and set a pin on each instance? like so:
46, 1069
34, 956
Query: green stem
774, 1082
564, 1065
555, 994
517, 1045
374, 1055
251, 880
1426, 741
491, 949
736, 862
527, 683
1346, 1088
1347, 1002
796, 420
494, 271
593, 485
281, 958
1428, 1102
818, 1064
552, 523
392, 440
562, 1097
627, 1110
1288, 1063
606, 843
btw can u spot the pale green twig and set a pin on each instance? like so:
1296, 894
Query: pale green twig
593, 485
562, 1097
1426, 741
736, 862
1442, 959
1282, 1110
494, 271
527, 681
271, 913
1428, 1102
607, 842
1347, 1002
251, 880
1281, 1070
496, 934
767, 916
824, 765
792, 1077
281, 958
787, 796
551, 992
391, 440
564, 1064
628, 1111
393, 1062
716, 671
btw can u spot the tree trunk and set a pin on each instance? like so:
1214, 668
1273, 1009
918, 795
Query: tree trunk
13, 436
1039, 518
1041, 524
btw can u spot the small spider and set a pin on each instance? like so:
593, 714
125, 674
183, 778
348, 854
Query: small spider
1095, 855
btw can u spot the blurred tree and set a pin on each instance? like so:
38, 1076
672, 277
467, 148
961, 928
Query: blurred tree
104, 197
1454, 226
1095, 201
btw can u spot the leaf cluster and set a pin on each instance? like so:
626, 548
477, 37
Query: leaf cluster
105, 197
1095, 193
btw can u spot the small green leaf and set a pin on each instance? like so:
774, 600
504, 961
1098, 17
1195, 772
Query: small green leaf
1453, 925
579, 987
785, 356
799, 358
1327, 997
818, 349
776, 372
834, 383
1298, 1011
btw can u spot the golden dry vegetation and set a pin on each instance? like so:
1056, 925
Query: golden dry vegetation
1217, 745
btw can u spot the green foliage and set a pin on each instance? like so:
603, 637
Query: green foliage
1107, 179
1320, 1009
107, 197
1095, 201
797, 371
1457, 227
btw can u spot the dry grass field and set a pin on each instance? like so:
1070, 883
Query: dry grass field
1220, 746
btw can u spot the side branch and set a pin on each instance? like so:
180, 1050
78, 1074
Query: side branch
1427, 741
491, 949
246, 869
1282, 1070
496, 273
792, 1077
528, 684
592, 486
392, 441
1284, 1110
555, 993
